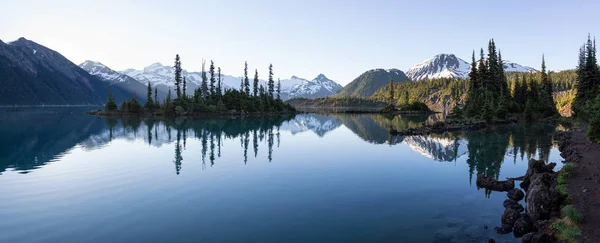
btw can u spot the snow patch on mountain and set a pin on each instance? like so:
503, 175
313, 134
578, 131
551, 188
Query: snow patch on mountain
104, 72
320, 86
439, 66
450, 66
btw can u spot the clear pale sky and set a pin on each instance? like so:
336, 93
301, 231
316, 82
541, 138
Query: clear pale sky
340, 39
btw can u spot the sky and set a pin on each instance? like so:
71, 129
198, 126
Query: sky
340, 39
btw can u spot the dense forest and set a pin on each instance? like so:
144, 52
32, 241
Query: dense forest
208, 98
586, 105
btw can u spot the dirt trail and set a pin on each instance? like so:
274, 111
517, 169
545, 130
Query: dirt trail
585, 187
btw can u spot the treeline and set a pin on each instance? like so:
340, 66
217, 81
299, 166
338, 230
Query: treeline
210, 97
586, 104
439, 94
489, 97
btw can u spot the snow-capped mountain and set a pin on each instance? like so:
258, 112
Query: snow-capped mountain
439, 66
164, 77
105, 73
321, 86
117, 79
451, 66
439, 149
319, 124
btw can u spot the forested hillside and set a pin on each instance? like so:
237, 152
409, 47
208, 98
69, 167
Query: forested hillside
370, 81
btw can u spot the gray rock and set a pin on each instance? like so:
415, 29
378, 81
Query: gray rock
542, 197
512, 204
516, 194
510, 216
523, 226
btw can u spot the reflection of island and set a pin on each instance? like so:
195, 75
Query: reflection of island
31, 139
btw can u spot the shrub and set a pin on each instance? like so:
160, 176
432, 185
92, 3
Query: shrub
572, 214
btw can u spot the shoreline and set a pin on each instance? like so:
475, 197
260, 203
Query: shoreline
102, 113
583, 188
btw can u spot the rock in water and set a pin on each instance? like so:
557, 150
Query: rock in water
510, 216
523, 226
493, 184
536, 167
542, 198
512, 204
516, 194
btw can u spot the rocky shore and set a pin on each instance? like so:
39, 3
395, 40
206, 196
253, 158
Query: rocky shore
584, 187
543, 202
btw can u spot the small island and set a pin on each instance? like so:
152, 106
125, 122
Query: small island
208, 100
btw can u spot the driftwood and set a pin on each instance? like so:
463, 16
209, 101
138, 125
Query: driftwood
493, 184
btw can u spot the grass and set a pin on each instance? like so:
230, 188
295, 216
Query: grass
567, 172
567, 231
572, 214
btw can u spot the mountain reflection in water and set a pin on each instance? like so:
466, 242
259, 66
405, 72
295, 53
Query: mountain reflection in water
30, 139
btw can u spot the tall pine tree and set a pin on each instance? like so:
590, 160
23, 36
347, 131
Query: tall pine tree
211, 70
278, 89
178, 78
271, 82
255, 83
149, 105
219, 90
246, 80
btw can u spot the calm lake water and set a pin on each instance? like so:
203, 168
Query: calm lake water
68, 177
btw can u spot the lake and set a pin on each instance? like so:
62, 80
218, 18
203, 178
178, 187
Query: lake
69, 177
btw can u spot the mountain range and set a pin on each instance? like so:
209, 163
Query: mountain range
32, 74
450, 66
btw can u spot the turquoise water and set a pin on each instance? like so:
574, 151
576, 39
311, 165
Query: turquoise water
68, 177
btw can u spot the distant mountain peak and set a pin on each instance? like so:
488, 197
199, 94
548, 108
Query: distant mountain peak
321, 77
439, 66
445, 65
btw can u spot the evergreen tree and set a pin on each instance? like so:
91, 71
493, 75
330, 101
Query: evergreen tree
271, 82
211, 71
219, 90
204, 84
178, 77
255, 84
278, 89
391, 91
149, 105
473, 75
588, 79
110, 104
168, 104
134, 106
262, 91
246, 80
184, 88
546, 100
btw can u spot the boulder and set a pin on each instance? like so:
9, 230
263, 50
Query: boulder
495, 185
542, 198
522, 226
536, 167
512, 204
516, 194
539, 237
510, 216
